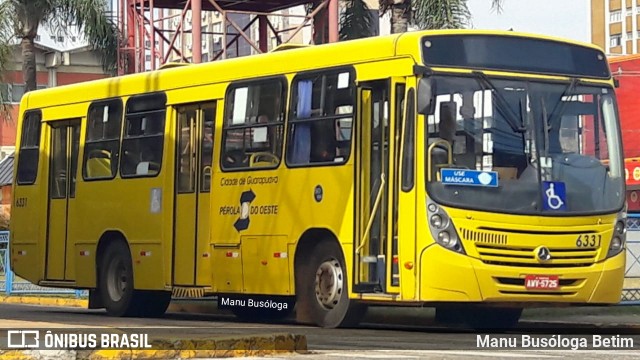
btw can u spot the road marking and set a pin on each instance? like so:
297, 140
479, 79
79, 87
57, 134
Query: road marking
416, 354
506, 353
367, 356
21, 324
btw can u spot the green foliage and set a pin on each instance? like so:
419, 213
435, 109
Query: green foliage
6, 34
432, 14
496, 5
355, 21
21, 19
441, 14
91, 17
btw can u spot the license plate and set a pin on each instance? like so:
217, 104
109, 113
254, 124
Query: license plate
541, 282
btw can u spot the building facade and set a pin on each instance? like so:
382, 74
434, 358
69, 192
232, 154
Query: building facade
615, 26
61, 59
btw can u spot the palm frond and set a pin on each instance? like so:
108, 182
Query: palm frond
441, 14
91, 17
496, 5
6, 37
355, 21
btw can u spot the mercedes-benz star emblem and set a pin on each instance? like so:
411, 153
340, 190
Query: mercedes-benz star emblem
543, 254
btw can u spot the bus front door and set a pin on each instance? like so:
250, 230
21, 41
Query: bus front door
63, 166
194, 151
371, 253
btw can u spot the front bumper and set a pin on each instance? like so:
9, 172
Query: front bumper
448, 276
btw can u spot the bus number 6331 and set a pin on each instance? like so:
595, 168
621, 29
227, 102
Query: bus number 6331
589, 240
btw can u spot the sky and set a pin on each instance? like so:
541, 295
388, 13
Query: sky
563, 18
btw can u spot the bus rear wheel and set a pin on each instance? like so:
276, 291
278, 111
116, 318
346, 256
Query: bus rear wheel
154, 303
116, 282
322, 290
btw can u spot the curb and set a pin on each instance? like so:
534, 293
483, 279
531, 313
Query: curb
230, 346
45, 301
180, 306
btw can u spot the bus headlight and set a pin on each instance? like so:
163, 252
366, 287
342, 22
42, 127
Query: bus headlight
447, 240
618, 239
436, 221
442, 229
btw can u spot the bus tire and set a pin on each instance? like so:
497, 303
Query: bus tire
483, 318
322, 289
155, 303
116, 281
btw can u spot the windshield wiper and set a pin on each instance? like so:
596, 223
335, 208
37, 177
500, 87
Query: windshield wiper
561, 104
503, 105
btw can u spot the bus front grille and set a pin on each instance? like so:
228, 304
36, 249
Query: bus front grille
491, 238
526, 256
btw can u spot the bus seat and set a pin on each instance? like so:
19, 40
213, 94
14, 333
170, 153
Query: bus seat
147, 168
263, 159
99, 164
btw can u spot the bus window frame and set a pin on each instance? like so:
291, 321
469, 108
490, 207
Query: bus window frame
305, 75
408, 156
119, 140
22, 148
228, 113
153, 106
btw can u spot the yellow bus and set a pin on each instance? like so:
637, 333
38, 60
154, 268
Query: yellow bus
475, 172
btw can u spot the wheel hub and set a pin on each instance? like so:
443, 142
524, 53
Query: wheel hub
116, 280
329, 283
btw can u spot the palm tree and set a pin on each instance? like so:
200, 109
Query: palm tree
429, 14
5, 54
355, 21
21, 19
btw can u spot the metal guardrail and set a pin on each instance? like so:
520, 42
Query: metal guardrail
5, 272
631, 294
11, 284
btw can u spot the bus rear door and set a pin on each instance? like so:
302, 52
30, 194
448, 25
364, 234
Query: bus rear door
194, 151
63, 165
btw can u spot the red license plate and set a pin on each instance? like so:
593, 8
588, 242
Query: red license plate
541, 282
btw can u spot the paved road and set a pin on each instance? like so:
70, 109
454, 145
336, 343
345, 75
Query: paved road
369, 341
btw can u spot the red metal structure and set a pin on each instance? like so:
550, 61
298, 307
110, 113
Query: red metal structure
150, 42
626, 69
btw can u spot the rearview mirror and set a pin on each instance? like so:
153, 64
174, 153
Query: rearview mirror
425, 96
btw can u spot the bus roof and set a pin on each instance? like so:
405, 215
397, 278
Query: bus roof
262, 65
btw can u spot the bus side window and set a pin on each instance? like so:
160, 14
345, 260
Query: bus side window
102, 140
252, 133
29, 151
322, 114
208, 114
143, 136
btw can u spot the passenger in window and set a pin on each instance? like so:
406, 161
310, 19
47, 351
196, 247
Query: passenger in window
235, 158
323, 141
439, 155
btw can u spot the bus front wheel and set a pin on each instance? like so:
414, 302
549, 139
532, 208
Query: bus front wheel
322, 290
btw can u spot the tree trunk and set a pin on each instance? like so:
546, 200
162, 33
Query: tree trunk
28, 64
400, 16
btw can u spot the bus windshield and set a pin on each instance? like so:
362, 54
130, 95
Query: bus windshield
524, 147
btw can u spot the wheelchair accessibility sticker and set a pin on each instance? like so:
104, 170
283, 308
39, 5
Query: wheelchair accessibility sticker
554, 195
